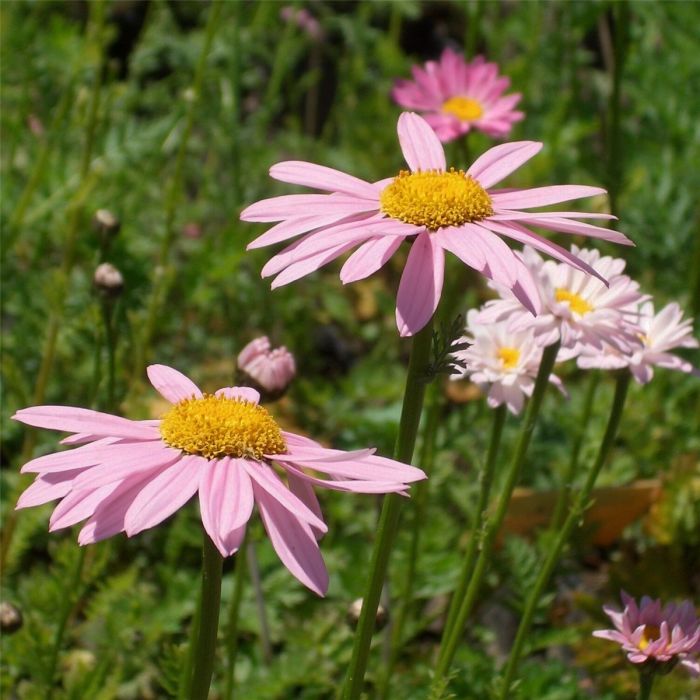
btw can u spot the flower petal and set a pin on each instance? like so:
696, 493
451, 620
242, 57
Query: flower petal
225, 502
420, 145
299, 172
243, 393
420, 286
500, 161
542, 196
297, 205
47, 487
164, 494
369, 257
172, 385
294, 542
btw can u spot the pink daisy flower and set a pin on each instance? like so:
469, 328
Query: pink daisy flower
577, 309
270, 370
129, 476
440, 209
456, 96
501, 360
658, 333
650, 633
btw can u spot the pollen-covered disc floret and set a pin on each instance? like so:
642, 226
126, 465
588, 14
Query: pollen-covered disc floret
436, 199
219, 426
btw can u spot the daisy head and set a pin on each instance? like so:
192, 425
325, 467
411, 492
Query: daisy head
128, 476
652, 634
455, 96
502, 361
266, 369
434, 208
577, 308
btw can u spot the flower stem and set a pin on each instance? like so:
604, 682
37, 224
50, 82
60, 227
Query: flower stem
204, 652
574, 517
646, 681
567, 482
255, 579
108, 308
232, 626
389, 518
479, 519
427, 455
450, 641
71, 592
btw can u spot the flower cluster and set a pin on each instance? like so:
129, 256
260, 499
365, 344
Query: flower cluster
128, 476
606, 326
456, 97
652, 634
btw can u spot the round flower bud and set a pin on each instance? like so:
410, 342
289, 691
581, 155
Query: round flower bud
104, 221
108, 280
353, 615
266, 369
10, 618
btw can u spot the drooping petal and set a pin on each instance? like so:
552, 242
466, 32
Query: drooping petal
369, 257
78, 505
172, 385
164, 494
577, 228
47, 487
82, 420
320, 177
225, 502
420, 286
309, 265
305, 493
420, 146
500, 161
294, 542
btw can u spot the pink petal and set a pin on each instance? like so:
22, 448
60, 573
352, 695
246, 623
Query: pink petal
542, 196
225, 502
297, 205
295, 227
304, 492
347, 485
47, 488
322, 178
421, 147
309, 265
243, 393
172, 385
294, 542
576, 227
500, 161
164, 494
78, 505
83, 420
457, 241
264, 476
420, 286
369, 257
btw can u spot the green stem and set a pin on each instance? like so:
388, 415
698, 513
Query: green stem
574, 518
568, 481
420, 503
265, 644
162, 279
479, 519
204, 653
449, 643
232, 626
71, 592
111, 345
646, 681
389, 518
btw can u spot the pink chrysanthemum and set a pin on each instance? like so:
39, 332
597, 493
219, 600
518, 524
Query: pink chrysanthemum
501, 360
443, 209
269, 369
577, 309
650, 633
658, 333
456, 97
132, 475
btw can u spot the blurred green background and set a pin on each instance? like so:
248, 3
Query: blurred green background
125, 107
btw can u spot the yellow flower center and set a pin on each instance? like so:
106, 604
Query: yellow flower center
463, 108
217, 426
435, 199
509, 357
650, 634
576, 302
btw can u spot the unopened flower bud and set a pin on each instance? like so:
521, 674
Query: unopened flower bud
353, 615
10, 618
268, 370
106, 222
108, 279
